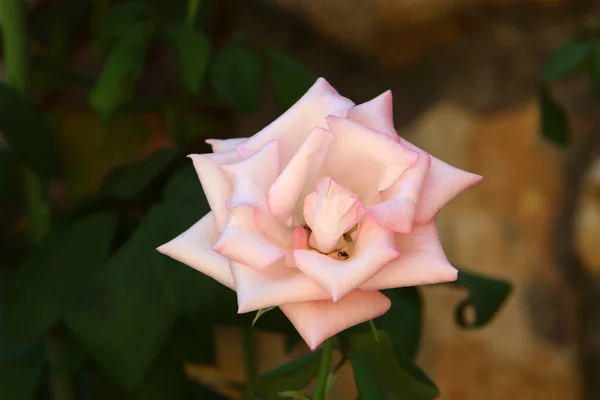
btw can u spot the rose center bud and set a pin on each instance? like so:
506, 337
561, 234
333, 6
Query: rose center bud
331, 211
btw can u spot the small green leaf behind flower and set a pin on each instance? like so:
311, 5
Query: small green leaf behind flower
486, 296
193, 50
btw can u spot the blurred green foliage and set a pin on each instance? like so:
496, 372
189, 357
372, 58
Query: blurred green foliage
93, 306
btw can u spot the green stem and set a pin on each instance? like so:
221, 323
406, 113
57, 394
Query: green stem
324, 370
193, 7
17, 74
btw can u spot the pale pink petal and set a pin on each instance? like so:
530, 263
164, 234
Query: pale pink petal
215, 184
422, 261
317, 321
376, 114
374, 249
272, 286
222, 145
241, 241
444, 182
300, 172
251, 179
330, 211
292, 127
194, 248
364, 160
397, 211
301, 238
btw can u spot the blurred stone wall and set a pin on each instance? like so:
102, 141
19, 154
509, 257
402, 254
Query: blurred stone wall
464, 89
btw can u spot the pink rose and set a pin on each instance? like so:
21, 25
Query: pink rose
319, 211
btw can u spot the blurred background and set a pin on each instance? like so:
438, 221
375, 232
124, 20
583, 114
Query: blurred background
466, 77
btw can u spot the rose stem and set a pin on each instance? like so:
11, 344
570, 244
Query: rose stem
18, 76
324, 369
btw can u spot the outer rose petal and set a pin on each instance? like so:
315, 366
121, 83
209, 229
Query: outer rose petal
397, 211
422, 262
272, 286
293, 126
241, 241
216, 186
317, 321
376, 114
444, 182
364, 160
375, 248
222, 145
299, 173
194, 248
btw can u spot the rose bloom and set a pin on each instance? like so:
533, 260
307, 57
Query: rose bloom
319, 211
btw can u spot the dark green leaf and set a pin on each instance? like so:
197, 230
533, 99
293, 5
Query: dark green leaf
8, 173
381, 376
21, 366
236, 76
293, 394
72, 355
193, 49
295, 375
403, 321
184, 185
123, 67
486, 296
566, 61
118, 20
27, 132
42, 287
289, 79
128, 181
193, 342
554, 123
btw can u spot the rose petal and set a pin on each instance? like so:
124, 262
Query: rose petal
222, 145
299, 173
422, 262
317, 321
377, 114
374, 249
330, 211
241, 241
194, 248
215, 184
272, 286
364, 160
292, 127
397, 211
444, 182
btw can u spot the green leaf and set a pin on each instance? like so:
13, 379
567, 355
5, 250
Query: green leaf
261, 312
293, 376
128, 181
293, 394
486, 296
123, 67
403, 322
554, 123
379, 375
42, 287
72, 355
566, 61
193, 49
127, 312
192, 341
118, 20
27, 132
236, 76
8, 173
21, 365
289, 79
185, 186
